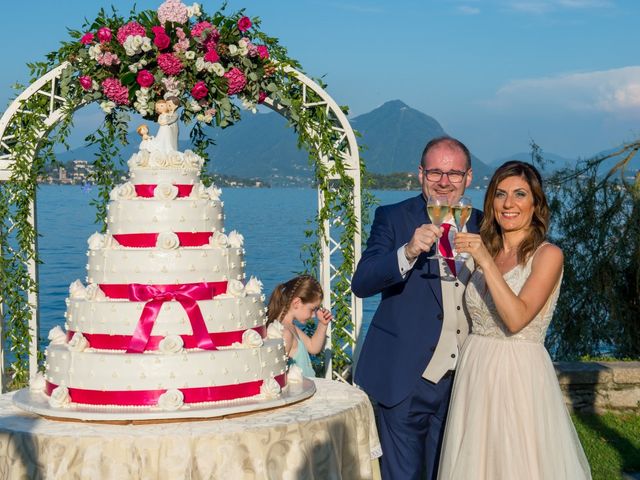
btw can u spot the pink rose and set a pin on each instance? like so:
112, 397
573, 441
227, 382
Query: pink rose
211, 56
244, 24
263, 51
145, 78
236, 81
261, 96
162, 41
199, 90
170, 64
87, 38
104, 35
85, 82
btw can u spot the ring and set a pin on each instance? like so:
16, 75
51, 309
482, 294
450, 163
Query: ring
468, 244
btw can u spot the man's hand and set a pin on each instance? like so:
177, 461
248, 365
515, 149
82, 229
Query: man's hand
422, 240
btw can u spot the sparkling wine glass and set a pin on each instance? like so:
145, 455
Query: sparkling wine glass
437, 209
461, 212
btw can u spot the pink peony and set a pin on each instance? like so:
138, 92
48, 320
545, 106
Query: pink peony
104, 35
129, 29
261, 96
108, 59
236, 81
169, 63
181, 45
199, 90
145, 78
85, 82
115, 91
263, 51
199, 29
211, 56
173, 11
87, 38
244, 24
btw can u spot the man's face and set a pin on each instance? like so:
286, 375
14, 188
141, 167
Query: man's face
444, 158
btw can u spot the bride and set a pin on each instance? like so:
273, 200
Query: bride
507, 418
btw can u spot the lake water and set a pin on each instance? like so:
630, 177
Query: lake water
272, 221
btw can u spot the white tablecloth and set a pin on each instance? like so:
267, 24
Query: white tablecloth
331, 435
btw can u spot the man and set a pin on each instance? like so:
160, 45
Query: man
411, 349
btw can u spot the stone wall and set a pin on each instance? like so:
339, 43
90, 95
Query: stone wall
600, 386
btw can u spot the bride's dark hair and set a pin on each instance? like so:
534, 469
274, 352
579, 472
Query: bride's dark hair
491, 232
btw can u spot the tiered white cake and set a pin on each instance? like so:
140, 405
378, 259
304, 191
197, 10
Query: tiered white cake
166, 320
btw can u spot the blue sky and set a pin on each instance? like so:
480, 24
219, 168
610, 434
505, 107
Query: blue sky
494, 73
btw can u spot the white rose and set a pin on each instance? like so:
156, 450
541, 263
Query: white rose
78, 342
236, 289
57, 336
189, 54
126, 191
171, 400
171, 344
219, 239
193, 160
194, 10
94, 292
146, 45
214, 192
270, 388
77, 290
193, 105
253, 286
233, 49
59, 397
218, 69
294, 375
37, 384
252, 339
96, 241
275, 330
236, 239
168, 241
165, 191
107, 106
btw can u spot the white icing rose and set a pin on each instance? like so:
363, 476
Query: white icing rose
94, 292
109, 241
171, 344
140, 159
59, 397
171, 400
236, 288
175, 159
252, 339
219, 239
168, 241
192, 160
113, 194
165, 191
127, 191
78, 342
275, 330
160, 160
236, 239
214, 192
270, 388
294, 375
37, 383
57, 336
96, 241
77, 290
253, 286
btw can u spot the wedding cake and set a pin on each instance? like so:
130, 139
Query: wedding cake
166, 319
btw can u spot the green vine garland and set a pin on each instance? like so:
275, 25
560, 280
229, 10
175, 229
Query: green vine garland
264, 76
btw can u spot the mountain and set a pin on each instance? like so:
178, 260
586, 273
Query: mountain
554, 162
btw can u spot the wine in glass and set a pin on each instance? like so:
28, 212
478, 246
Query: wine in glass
438, 210
461, 212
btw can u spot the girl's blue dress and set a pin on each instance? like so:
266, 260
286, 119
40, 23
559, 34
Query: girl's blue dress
301, 359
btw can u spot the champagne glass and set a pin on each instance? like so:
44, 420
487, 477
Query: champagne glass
437, 209
461, 212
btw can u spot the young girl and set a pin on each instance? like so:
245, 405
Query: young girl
299, 299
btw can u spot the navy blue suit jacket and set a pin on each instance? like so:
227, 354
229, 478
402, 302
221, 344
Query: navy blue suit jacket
406, 326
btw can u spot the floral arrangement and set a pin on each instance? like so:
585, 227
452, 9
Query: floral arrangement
176, 51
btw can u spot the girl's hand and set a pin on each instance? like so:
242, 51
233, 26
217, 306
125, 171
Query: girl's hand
324, 316
471, 243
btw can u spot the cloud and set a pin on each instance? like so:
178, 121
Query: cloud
545, 6
467, 10
615, 91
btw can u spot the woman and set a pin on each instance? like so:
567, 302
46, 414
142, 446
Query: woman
507, 418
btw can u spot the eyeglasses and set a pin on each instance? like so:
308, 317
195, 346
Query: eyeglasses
454, 176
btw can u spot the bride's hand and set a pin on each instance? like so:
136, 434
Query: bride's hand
472, 243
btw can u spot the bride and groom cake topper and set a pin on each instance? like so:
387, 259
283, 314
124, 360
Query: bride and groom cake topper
166, 140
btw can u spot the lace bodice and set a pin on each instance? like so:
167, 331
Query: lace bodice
484, 315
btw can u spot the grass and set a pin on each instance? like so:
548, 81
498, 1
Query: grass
611, 443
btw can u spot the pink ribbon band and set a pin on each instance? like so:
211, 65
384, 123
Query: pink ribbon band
150, 397
121, 342
147, 190
187, 294
149, 240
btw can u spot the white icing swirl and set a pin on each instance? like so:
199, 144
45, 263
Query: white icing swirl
168, 241
171, 344
96, 241
270, 388
78, 342
37, 384
77, 290
165, 191
57, 336
171, 400
94, 292
253, 286
252, 339
236, 239
275, 330
59, 397
294, 375
235, 288
213, 192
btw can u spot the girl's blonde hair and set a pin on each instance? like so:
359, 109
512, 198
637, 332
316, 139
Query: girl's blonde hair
305, 287
143, 126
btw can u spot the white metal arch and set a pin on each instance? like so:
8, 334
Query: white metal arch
48, 86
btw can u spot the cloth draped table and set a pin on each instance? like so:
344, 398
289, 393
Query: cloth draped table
331, 435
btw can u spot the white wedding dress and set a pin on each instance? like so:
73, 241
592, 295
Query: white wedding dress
166, 140
507, 418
